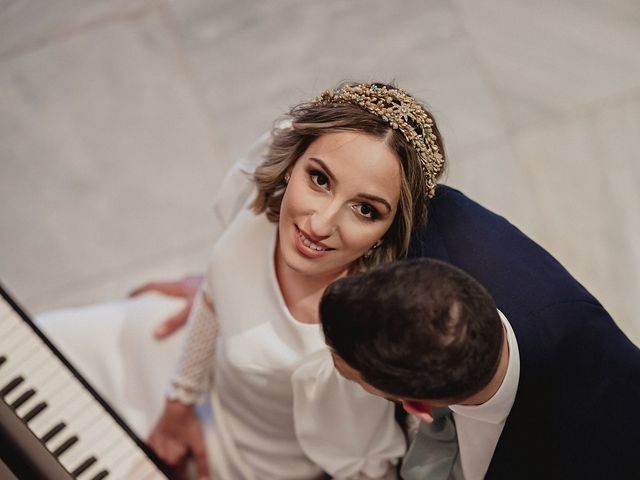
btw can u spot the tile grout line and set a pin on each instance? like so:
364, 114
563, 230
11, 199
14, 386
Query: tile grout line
512, 135
583, 111
187, 70
484, 72
64, 33
106, 276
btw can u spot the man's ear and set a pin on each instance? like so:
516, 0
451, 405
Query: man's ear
419, 408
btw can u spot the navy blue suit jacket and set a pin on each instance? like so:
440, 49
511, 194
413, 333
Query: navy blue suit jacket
577, 410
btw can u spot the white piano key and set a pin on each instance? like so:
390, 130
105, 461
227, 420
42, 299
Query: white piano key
36, 362
106, 442
96, 468
69, 403
101, 437
13, 347
86, 434
140, 468
42, 372
55, 395
10, 321
67, 414
82, 461
126, 461
148, 470
75, 455
94, 435
5, 309
55, 383
28, 366
10, 397
26, 407
60, 439
12, 330
89, 417
6, 325
120, 457
10, 387
92, 471
15, 358
42, 424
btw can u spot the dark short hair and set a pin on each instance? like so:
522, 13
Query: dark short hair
416, 329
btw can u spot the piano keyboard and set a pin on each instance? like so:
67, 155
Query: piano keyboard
56, 420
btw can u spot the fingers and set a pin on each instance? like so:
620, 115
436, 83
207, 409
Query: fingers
174, 451
173, 323
200, 457
171, 452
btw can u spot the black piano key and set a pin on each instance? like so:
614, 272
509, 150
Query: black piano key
34, 411
53, 432
65, 446
11, 385
101, 475
2, 359
83, 466
23, 398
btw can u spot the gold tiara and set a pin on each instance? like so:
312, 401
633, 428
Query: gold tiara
403, 113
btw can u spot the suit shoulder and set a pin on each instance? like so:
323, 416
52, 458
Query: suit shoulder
507, 262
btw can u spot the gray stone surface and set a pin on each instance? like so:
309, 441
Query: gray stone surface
119, 118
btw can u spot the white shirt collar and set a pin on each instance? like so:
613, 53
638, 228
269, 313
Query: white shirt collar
497, 408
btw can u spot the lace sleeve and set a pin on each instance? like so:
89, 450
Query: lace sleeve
193, 375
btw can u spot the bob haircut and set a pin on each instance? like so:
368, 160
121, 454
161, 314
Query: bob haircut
310, 121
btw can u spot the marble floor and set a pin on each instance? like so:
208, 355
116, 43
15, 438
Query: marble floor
118, 119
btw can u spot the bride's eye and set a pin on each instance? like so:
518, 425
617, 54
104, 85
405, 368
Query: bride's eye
319, 178
367, 211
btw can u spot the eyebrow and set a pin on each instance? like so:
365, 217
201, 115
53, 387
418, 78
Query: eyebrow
372, 198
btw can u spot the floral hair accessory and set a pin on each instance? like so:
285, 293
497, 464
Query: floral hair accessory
403, 113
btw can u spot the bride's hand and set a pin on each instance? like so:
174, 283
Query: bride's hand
178, 435
185, 288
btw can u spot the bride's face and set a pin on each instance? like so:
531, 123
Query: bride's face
341, 198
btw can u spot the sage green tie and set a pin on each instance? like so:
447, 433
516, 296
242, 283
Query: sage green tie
434, 449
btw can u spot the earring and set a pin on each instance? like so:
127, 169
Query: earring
287, 177
372, 249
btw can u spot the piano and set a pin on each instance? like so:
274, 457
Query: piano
53, 424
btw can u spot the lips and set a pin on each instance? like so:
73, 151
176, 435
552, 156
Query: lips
309, 247
318, 247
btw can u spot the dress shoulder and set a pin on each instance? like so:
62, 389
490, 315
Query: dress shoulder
342, 428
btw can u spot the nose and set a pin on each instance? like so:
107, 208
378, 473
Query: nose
324, 220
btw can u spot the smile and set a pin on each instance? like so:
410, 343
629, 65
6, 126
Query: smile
310, 244
308, 247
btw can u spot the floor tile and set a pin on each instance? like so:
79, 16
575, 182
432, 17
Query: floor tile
254, 60
28, 23
548, 58
106, 156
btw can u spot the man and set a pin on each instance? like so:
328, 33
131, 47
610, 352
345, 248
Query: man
566, 377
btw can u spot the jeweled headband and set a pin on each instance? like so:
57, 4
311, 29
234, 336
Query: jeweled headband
403, 113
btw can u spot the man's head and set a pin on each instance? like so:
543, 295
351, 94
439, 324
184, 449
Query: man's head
415, 329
